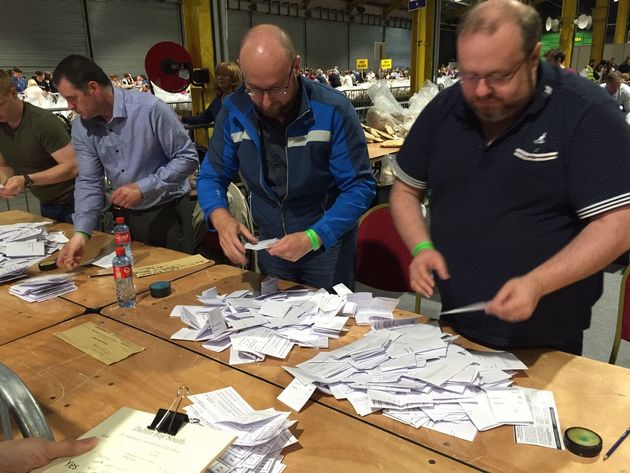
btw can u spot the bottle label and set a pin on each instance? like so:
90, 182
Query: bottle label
122, 238
122, 272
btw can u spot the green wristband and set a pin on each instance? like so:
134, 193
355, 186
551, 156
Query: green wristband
313, 238
86, 235
423, 245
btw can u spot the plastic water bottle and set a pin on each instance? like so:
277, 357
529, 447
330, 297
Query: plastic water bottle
122, 236
123, 277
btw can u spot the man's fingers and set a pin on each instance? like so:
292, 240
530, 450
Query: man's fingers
247, 234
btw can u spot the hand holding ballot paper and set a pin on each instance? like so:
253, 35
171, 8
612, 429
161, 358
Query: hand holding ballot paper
24, 455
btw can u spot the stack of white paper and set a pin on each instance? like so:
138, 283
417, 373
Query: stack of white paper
415, 374
271, 324
43, 288
25, 244
261, 435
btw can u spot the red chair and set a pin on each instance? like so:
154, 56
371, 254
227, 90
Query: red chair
623, 317
382, 258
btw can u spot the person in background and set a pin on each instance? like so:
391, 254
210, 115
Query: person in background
48, 80
34, 94
589, 71
530, 202
35, 154
228, 78
620, 92
25, 455
41, 81
624, 67
19, 80
136, 141
127, 81
116, 82
299, 147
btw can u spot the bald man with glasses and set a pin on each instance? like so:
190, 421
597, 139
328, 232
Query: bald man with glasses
530, 179
300, 149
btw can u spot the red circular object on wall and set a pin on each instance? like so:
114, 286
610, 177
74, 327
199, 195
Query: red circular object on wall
168, 66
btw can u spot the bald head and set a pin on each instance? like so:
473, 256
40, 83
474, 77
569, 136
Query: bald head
266, 41
487, 17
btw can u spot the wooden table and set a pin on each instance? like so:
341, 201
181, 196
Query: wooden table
94, 293
20, 318
76, 392
587, 393
375, 150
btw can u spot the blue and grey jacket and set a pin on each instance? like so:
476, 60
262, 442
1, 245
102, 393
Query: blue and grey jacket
329, 180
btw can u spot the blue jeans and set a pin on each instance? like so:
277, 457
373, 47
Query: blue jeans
59, 212
318, 268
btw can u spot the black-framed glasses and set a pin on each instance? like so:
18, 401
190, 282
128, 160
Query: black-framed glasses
275, 91
492, 80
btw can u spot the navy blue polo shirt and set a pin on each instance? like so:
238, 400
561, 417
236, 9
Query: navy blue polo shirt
500, 210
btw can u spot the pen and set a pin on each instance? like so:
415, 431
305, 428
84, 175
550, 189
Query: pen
617, 443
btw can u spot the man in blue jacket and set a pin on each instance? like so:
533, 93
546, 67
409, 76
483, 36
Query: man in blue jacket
300, 149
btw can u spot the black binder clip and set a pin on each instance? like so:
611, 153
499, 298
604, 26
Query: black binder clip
168, 421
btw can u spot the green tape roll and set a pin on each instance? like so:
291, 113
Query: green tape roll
582, 441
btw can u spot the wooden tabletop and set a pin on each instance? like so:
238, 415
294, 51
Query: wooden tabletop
95, 293
20, 318
77, 392
588, 393
375, 150
10, 217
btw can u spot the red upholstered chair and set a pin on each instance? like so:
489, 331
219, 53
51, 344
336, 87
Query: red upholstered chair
382, 258
623, 317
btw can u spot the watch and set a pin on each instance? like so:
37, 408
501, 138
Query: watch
28, 182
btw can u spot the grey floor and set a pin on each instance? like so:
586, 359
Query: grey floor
597, 340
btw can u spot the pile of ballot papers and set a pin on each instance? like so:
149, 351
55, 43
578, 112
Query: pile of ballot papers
415, 374
271, 324
42, 288
25, 244
261, 435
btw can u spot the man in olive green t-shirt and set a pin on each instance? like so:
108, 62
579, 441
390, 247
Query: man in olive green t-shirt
35, 153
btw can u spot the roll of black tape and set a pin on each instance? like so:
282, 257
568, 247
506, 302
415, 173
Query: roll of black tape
160, 289
582, 441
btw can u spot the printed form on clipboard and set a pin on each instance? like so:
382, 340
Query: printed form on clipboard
126, 445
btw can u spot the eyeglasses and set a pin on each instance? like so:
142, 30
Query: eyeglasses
492, 80
274, 91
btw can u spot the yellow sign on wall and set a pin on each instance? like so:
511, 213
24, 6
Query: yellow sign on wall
386, 63
362, 64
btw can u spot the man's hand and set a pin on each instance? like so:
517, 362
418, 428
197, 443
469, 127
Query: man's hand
229, 230
126, 196
12, 187
24, 455
72, 252
291, 247
516, 300
421, 269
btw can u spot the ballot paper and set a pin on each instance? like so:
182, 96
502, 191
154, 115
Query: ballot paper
126, 445
105, 261
266, 325
476, 307
261, 245
25, 244
261, 435
296, 394
415, 374
42, 288
545, 431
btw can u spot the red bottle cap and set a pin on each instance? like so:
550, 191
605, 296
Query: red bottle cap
120, 220
120, 250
